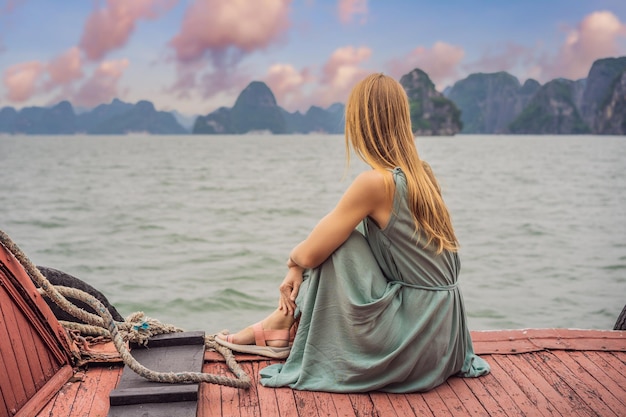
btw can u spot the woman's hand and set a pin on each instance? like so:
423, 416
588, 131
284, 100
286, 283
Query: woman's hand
289, 290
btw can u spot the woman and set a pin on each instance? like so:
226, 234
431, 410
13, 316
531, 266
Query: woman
377, 308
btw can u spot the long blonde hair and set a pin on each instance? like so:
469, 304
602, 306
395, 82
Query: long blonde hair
378, 126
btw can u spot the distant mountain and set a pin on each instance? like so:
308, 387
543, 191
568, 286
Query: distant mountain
114, 118
256, 110
484, 103
604, 107
431, 113
495, 103
490, 102
552, 110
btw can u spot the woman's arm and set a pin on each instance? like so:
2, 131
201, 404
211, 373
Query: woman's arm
366, 196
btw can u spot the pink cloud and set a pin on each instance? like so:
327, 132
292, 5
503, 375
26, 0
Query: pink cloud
288, 85
349, 8
65, 68
21, 80
214, 26
597, 36
102, 86
110, 27
441, 62
339, 74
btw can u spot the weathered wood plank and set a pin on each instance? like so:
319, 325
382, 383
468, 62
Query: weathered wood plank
435, 404
594, 394
109, 378
616, 376
305, 404
45, 393
465, 395
564, 395
249, 399
230, 395
342, 404
286, 401
13, 387
382, 404
483, 396
64, 400
401, 405
614, 390
517, 368
505, 377
418, 404
209, 396
325, 404
452, 401
20, 347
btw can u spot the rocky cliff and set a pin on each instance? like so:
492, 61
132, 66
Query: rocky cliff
603, 99
256, 110
431, 113
552, 110
490, 102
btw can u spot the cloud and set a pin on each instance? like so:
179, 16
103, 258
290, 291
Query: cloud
102, 86
349, 8
441, 62
215, 26
339, 74
110, 27
65, 68
21, 80
597, 36
287, 84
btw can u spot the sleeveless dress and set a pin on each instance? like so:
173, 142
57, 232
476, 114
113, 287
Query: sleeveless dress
380, 314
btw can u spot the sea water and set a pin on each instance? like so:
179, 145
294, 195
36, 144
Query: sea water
195, 230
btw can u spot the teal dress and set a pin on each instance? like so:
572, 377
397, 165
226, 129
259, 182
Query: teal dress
381, 313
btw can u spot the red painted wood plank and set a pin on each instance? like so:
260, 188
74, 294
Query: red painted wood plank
230, 395
13, 389
45, 393
209, 400
305, 404
616, 390
617, 374
401, 405
517, 369
452, 401
325, 405
285, 400
38, 362
593, 392
89, 385
20, 348
382, 404
467, 398
508, 378
342, 404
435, 403
249, 398
9, 401
109, 379
561, 394
533, 340
418, 404
484, 397
268, 403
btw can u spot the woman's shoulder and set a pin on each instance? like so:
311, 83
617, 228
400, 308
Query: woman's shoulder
373, 180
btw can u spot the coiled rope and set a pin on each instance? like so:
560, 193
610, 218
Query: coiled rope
105, 323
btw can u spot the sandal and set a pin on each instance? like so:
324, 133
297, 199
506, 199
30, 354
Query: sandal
261, 336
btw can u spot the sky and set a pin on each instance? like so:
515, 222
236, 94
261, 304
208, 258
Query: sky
195, 56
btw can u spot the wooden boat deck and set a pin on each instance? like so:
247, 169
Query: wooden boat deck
534, 372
